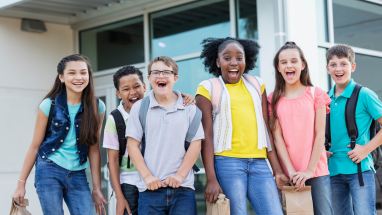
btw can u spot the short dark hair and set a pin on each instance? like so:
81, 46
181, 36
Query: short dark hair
341, 50
126, 70
167, 61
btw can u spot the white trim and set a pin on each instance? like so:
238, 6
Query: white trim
232, 18
8, 3
147, 45
282, 20
357, 50
186, 56
379, 2
329, 8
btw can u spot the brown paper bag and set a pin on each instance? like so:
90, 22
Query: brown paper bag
297, 202
220, 207
19, 210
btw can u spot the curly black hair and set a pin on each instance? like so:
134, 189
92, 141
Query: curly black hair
126, 70
212, 47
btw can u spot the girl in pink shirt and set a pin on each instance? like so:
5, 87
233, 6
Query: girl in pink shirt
298, 112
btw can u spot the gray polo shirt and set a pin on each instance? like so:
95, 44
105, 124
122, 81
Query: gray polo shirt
165, 134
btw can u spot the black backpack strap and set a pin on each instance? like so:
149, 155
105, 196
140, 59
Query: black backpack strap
328, 134
351, 126
121, 130
191, 132
145, 104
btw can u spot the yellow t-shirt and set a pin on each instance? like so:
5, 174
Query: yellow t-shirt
244, 124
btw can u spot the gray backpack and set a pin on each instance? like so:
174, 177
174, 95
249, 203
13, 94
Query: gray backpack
191, 132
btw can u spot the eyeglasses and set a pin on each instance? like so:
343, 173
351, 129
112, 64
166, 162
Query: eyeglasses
165, 73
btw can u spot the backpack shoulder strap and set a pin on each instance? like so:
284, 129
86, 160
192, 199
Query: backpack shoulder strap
142, 119
350, 109
351, 125
191, 132
216, 93
194, 125
254, 82
328, 135
121, 129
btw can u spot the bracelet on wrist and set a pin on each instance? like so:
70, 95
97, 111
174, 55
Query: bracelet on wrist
21, 180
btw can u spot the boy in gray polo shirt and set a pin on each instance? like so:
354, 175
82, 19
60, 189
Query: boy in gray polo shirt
167, 179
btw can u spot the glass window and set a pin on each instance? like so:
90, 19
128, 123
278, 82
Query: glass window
247, 25
367, 72
358, 23
180, 30
114, 45
191, 73
322, 21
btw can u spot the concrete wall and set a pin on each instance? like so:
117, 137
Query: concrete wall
28, 68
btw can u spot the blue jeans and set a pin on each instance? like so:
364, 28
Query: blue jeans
55, 184
350, 198
131, 195
321, 195
180, 201
246, 177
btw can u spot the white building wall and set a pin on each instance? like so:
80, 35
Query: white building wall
301, 27
28, 68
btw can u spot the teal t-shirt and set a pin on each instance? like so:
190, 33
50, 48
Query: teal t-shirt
66, 155
369, 107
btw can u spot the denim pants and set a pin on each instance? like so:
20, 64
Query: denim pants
55, 184
172, 201
242, 178
321, 195
350, 198
131, 195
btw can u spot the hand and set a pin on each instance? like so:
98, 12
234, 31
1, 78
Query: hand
99, 200
212, 191
281, 180
358, 153
18, 195
122, 205
329, 154
299, 179
188, 99
174, 181
152, 182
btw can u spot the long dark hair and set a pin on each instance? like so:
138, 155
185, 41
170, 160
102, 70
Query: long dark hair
280, 82
90, 119
212, 47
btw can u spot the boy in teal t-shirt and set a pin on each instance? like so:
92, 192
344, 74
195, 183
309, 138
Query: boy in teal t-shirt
349, 197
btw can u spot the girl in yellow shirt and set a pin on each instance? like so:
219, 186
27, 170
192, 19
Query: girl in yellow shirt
235, 151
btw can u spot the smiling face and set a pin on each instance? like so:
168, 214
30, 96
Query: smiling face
162, 78
290, 66
340, 70
75, 76
231, 61
130, 90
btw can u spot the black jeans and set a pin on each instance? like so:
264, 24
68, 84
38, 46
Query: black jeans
131, 195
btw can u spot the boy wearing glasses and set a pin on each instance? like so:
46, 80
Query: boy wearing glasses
349, 194
164, 165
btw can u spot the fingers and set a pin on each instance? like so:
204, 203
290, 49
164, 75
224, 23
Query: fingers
154, 185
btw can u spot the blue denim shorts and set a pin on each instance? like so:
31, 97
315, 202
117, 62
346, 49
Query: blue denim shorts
55, 184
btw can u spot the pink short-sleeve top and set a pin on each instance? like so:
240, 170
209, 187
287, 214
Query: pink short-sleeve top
297, 120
